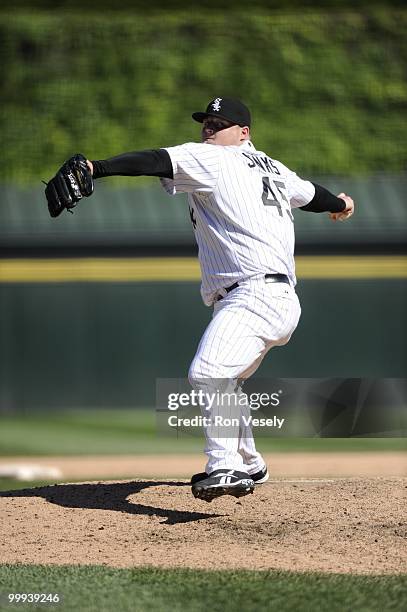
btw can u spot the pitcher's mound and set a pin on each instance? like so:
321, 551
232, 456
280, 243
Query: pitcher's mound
339, 525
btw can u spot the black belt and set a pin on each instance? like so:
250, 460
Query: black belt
272, 278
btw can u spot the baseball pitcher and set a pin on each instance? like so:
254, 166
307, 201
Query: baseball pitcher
241, 204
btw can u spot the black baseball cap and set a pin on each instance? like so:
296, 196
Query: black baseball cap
226, 108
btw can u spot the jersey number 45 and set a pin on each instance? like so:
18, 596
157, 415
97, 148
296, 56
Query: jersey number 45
276, 197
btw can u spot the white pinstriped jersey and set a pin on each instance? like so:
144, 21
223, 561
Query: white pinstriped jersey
240, 204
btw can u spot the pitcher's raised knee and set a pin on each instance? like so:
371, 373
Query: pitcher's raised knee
204, 373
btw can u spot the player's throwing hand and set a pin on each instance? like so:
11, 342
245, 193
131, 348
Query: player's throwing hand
347, 212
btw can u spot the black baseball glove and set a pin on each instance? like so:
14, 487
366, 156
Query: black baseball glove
72, 182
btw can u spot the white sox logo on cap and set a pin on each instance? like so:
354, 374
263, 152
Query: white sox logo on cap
228, 108
216, 104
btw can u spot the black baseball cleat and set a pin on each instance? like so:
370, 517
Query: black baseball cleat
223, 482
259, 477
198, 477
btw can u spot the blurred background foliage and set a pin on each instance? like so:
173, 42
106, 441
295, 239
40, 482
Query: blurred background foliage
326, 87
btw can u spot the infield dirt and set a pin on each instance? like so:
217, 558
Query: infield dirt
349, 525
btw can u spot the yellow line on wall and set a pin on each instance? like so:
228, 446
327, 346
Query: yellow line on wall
99, 269
185, 269
351, 267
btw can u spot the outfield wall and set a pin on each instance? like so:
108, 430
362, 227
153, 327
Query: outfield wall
103, 344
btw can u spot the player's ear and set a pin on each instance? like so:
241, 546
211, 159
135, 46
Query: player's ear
245, 133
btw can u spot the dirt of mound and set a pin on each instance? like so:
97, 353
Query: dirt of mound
341, 525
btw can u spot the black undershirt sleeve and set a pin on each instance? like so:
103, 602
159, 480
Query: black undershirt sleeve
324, 201
153, 162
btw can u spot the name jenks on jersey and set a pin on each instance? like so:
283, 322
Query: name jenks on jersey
264, 163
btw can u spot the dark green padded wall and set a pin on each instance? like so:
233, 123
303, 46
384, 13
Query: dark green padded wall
104, 344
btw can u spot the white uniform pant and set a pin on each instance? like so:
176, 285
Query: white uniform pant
246, 324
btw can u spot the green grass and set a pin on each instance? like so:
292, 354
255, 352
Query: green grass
116, 432
102, 589
86, 432
11, 484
